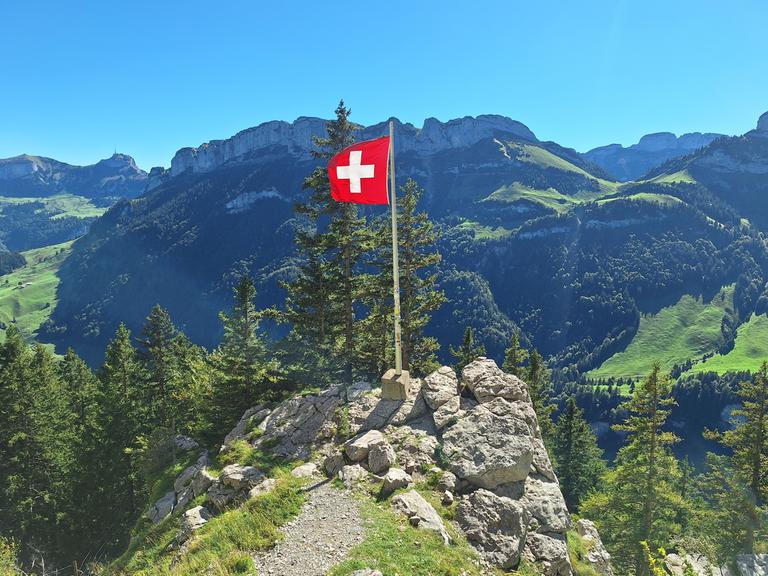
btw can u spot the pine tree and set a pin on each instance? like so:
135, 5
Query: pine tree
637, 501
579, 464
748, 442
322, 302
419, 296
468, 351
515, 356
537, 377
247, 371
159, 354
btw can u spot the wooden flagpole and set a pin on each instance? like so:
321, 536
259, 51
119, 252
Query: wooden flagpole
395, 262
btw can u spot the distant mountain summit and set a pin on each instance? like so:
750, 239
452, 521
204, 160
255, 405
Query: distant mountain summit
633, 162
40, 177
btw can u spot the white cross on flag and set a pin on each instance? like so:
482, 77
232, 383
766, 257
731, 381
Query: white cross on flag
359, 173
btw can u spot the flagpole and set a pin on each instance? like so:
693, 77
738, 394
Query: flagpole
395, 262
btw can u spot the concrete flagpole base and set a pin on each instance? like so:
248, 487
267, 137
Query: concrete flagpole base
394, 386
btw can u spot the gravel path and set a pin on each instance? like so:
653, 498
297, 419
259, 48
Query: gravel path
327, 527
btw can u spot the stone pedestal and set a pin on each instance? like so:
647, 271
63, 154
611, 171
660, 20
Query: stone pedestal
394, 387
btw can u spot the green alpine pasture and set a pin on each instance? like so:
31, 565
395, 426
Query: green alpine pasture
549, 198
749, 352
689, 329
483, 232
59, 206
28, 295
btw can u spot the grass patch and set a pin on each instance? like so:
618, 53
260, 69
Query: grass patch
393, 546
241, 452
59, 206
223, 547
749, 352
577, 551
651, 198
686, 330
683, 176
28, 295
549, 198
485, 232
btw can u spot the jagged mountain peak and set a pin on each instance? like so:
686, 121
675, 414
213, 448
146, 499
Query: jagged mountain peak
762, 124
433, 136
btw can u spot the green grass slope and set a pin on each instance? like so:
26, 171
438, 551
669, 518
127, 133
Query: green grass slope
688, 329
28, 295
59, 206
749, 352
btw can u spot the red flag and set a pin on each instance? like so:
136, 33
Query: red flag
359, 173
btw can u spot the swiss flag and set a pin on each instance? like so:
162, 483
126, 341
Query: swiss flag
359, 173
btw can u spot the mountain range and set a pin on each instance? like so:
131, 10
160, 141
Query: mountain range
535, 236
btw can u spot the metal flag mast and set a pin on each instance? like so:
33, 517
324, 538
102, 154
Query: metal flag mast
395, 383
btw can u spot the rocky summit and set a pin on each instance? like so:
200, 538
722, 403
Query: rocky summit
471, 444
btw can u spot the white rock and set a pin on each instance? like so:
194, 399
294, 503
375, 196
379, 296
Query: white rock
487, 381
381, 457
420, 513
395, 479
193, 519
163, 508
305, 470
358, 447
351, 475
440, 387
240, 477
597, 556
262, 488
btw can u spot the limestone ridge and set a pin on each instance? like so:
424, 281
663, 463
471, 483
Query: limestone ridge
297, 137
476, 438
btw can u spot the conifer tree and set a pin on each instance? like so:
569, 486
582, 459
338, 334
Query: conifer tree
537, 377
159, 354
578, 459
515, 356
637, 501
468, 351
248, 374
331, 284
748, 442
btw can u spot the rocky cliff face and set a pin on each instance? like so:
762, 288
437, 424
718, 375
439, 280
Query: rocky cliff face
35, 176
633, 162
477, 438
297, 138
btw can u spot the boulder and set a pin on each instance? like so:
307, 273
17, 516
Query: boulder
420, 513
491, 445
448, 481
333, 463
161, 509
252, 417
440, 387
185, 443
415, 448
487, 381
202, 482
352, 474
358, 447
219, 494
262, 488
448, 413
549, 552
395, 479
240, 477
305, 470
597, 556
752, 564
495, 526
193, 519
546, 504
381, 457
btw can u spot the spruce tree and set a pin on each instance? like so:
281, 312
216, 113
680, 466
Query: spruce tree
637, 501
333, 246
159, 354
537, 377
748, 442
578, 459
468, 351
248, 373
515, 356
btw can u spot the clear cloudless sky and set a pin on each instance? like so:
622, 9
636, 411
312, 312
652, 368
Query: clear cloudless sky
81, 78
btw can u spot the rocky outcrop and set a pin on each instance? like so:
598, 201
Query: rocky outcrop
488, 458
296, 137
597, 556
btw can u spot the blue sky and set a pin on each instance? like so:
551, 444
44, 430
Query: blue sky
79, 79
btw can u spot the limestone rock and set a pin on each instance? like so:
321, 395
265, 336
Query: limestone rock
240, 477
219, 494
262, 488
163, 508
395, 479
491, 445
333, 463
550, 553
447, 499
351, 475
420, 513
415, 448
201, 482
448, 413
367, 572
752, 564
495, 526
597, 556
546, 504
357, 448
193, 519
252, 417
185, 443
305, 470
448, 481
381, 457
440, 387
487, 381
